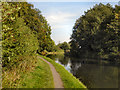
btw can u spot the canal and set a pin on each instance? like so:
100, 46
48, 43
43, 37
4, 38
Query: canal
93, 73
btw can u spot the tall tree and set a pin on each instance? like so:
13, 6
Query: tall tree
90, 32
25, 31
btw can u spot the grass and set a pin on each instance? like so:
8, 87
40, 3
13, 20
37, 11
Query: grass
35, 73
69, 81
11, 77
30, 73
41, 77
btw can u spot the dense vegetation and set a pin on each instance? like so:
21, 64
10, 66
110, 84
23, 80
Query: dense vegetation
64, 46
25, 32
97, 33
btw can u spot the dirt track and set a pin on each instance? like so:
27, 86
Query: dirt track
57, 80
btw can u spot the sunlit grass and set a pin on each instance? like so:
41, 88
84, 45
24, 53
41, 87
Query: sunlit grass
41, 77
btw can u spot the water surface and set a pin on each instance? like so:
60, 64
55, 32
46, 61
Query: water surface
93, 73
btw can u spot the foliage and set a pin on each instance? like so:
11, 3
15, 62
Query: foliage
25, 32
44, 52
19, 41
96, 33
64, 46
38, 24
113, 36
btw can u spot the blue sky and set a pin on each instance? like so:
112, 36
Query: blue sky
61, 16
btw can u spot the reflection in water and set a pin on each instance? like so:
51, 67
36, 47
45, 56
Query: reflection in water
93, 73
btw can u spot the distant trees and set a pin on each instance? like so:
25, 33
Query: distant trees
24, 32
64, 46
97, 33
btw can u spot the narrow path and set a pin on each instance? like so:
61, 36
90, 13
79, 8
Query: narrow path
57, 80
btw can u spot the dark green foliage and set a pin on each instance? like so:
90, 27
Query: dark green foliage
96, 33
64, 46
25, 32
19, 41
38, 24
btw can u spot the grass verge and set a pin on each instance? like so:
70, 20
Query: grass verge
30, 73
69, 81
40, 77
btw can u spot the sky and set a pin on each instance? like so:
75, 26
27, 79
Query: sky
61, 16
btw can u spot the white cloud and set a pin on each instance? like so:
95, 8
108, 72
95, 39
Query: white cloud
61, 24
59, 17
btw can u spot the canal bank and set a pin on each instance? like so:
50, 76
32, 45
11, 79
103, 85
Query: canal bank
69, 81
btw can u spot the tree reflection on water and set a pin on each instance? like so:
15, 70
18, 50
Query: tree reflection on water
93, 73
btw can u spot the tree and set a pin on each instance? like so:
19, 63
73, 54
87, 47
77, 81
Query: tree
19, 41
113, 37
91, 33
25, 31
64, 46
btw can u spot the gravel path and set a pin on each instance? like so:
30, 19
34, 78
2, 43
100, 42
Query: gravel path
57, 80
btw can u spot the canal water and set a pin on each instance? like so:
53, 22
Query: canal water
93, 73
